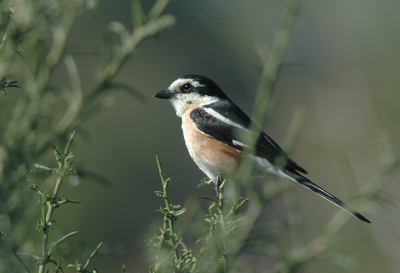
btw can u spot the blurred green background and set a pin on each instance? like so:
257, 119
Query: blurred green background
342, 67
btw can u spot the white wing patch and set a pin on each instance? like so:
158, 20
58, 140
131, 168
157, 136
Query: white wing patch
217, 115
240, 143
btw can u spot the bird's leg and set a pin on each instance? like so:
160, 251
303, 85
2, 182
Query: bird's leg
216, 187
218, 184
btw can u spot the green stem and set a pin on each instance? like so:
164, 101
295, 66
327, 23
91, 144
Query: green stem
168, 207
22, 262
163, 236
112, 68
4, 39
272, 62
91, 257
71, 139
235, 210
157, 9
223, 225
63, 167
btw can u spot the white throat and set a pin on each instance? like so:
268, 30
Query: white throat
182, 102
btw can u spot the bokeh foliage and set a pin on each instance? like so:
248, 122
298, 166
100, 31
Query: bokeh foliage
35, 34
43, 112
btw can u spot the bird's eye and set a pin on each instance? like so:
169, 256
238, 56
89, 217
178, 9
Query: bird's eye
186, 87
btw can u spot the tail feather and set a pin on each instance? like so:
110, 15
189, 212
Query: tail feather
321, 192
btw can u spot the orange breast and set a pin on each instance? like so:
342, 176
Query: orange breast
221, 157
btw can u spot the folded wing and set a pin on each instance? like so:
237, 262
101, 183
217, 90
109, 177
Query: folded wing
225, 122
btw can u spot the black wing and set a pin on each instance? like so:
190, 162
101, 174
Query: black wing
214, 127
235, 119
227, 132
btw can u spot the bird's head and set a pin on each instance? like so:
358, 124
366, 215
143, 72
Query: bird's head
190, 91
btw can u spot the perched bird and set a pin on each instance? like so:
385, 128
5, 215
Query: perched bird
211, 123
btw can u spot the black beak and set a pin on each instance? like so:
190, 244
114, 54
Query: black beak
164, 94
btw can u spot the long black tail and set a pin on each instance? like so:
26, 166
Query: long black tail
321, 192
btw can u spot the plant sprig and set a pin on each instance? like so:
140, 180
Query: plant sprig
173, 240
49, 202
219, 231
33, 46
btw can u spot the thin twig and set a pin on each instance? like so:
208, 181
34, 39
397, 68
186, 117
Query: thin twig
168, 207
234, 211
4, 39
22, 262
91, 257
271, 64
62, 239
71, 139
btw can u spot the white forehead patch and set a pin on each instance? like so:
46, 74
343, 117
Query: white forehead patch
179, 82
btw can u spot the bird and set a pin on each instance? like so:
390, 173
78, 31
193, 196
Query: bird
212, 125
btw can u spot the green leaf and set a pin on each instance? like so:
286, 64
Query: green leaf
39, 225
159, 194
139, 17
36, 188
180, 212
164, 211
65, 237
30, 255
209, 199
71, 201
199, 241
206, 181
